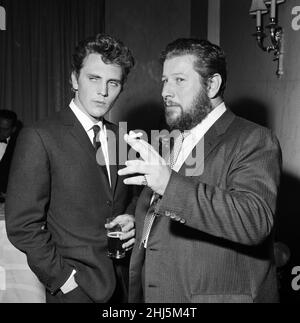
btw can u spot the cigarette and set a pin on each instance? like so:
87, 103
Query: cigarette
132, 135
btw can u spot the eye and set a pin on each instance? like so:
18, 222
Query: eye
179, 80
114, 83
93, 78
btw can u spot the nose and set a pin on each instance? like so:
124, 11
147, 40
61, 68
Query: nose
103, 89
167, 90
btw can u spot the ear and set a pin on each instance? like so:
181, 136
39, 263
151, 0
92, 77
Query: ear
214, 84
74, 79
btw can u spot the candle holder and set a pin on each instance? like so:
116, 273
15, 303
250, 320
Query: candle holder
2, 18
258, 8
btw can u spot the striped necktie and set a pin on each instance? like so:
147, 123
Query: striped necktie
176, 149
149, 219
150, 216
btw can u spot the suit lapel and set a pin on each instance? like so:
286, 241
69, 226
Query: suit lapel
80, 136
207, 144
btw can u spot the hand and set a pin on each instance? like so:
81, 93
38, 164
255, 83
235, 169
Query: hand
126, 221
154, 170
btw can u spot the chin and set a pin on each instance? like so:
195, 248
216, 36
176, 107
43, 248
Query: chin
172, 116
99, 113
172, 123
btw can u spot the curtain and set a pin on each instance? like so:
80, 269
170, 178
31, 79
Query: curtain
36, 50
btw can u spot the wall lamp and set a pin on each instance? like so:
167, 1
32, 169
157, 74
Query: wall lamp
259, 8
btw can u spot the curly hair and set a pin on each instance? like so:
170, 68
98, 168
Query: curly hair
209, 58
113, 51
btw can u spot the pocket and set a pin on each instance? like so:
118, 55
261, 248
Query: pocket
227, 298
80, 254
76, 295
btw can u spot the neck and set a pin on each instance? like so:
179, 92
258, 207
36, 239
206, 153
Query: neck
216, 101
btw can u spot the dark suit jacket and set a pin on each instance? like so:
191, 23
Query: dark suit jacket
6, 162
212, 239
57, 202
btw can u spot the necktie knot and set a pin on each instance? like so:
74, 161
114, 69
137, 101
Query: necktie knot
96, 129
96, 140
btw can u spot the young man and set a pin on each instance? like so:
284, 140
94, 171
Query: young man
59, 196
211, 233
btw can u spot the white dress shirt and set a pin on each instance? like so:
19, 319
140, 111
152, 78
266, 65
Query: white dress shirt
3, 147
196, 134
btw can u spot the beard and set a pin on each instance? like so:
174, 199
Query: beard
187, 120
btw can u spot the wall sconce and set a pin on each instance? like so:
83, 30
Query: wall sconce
258, 8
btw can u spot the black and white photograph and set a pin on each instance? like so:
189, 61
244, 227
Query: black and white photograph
149, 154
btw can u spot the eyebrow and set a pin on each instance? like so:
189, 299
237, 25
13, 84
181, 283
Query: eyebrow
94, 75
115, 80
174, 74
100, 77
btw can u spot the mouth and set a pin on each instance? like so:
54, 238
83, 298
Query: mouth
99, 103
172, 107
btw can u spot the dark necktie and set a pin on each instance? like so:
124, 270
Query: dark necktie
99, 153
96, 140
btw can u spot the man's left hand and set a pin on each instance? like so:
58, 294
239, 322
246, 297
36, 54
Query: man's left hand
126, 221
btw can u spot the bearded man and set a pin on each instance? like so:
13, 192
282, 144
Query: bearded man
204, 234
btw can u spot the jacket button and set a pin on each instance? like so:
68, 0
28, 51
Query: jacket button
173, 216
108, 203
182, 221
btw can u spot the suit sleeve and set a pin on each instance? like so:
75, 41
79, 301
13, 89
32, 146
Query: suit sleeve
243, 211
26, 210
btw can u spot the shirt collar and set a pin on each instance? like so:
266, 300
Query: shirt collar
7, 141
211, 118
86, 122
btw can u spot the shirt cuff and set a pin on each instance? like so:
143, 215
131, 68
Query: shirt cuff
70, 284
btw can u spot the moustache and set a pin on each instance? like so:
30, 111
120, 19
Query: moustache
168, 103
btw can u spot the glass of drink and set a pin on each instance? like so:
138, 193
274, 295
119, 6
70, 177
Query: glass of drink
115, 249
